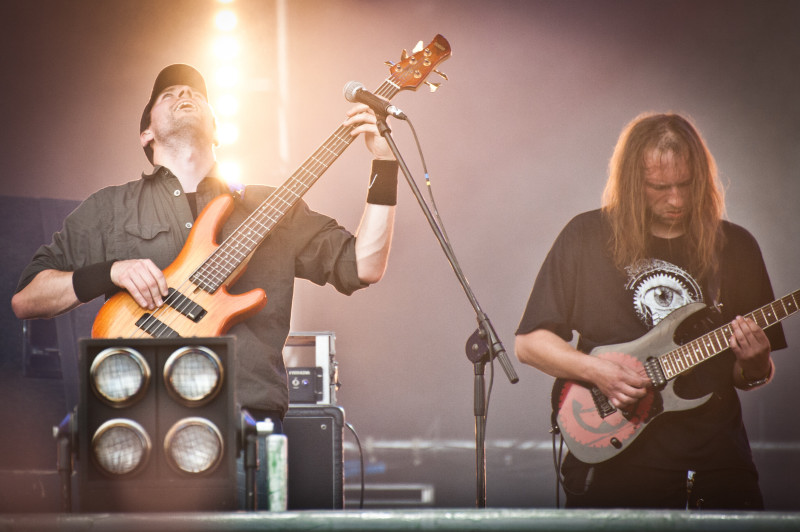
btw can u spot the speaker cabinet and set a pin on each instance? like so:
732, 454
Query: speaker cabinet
316, 472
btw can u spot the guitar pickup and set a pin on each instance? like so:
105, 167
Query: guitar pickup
601, 402
184, 305
155, 327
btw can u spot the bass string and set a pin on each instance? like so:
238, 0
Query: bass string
269, 213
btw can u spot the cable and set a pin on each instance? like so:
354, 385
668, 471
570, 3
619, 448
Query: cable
557, 462
434, 208
361, 459
557, 466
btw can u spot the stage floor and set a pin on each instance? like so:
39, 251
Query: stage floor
407, 520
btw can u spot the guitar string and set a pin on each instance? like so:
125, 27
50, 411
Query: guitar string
713, 343
205, 274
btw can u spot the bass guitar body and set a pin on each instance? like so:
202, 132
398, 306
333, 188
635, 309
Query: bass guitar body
190, 309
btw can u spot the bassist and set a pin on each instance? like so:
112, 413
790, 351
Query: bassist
658, 243
124, 236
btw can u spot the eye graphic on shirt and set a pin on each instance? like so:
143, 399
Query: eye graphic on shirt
658, 288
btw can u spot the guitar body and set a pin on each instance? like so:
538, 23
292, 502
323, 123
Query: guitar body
119, 316
593, 429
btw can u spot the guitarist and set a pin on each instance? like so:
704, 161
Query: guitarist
659, 242
123, 236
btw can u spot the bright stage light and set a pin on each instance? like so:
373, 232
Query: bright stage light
225, 20
227, 76
226, 47
228, 133
226, 105
231, 171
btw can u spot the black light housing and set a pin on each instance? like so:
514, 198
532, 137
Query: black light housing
158, 427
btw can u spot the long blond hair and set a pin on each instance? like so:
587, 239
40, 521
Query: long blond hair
624, 195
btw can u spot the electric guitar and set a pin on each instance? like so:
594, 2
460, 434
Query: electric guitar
596, 431
199, 303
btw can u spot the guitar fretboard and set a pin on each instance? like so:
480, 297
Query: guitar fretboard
693, 353
243, 241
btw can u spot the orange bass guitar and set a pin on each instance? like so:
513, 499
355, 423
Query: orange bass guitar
199, 303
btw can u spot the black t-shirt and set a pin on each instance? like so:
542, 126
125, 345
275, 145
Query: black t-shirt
579, 289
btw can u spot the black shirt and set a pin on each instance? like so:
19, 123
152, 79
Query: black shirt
579, 289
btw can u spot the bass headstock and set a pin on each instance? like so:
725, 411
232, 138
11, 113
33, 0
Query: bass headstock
412, 70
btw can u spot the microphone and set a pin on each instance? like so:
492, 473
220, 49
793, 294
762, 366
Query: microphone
356, 93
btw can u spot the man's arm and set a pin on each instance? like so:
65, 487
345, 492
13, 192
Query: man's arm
373, 241
549, 353
374, 234
53, 292
49, 294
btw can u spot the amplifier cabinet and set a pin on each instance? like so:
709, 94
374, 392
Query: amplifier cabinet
316, 456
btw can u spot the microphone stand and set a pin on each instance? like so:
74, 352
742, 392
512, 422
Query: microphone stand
483, 344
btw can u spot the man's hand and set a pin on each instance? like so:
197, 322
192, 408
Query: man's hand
751, 348
623, 385
543, 349
143, 281
363, 120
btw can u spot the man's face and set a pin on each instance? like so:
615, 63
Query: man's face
667, 187
182, 111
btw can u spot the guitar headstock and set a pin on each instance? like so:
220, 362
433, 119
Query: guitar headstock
412, 69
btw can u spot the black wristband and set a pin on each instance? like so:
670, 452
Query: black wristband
383, 183
92, 281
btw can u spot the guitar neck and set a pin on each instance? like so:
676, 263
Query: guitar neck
715, 342
244, 240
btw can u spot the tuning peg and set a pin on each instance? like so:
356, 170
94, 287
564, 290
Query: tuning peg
404, 55
389, 63
418, 48
433, 86
442, 74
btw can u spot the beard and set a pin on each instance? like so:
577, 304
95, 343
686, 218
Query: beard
186, 130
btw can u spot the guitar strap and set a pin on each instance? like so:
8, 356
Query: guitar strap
715, 283
713, 291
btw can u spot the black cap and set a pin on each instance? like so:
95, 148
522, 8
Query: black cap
177, 74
